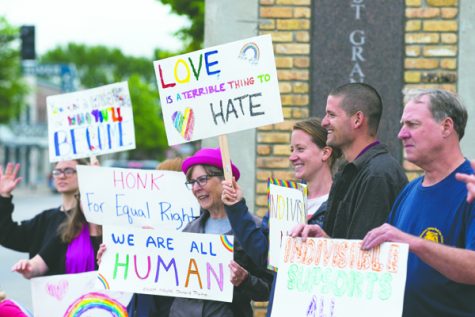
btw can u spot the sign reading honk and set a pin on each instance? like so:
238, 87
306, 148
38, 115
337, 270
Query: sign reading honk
219, 90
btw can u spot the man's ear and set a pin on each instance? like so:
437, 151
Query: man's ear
447, 127
358, 119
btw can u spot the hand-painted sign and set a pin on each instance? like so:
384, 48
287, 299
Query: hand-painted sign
133, 197
170, 263
90, 122
73, 295
286, 205
219, 90
335, 278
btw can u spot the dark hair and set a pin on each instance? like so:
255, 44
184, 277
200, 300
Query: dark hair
443, 104
71, 227
313, 127
209, 169
361, 97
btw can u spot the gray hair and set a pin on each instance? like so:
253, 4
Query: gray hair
443, 104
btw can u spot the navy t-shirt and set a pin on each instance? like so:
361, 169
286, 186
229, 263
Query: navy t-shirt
441, 214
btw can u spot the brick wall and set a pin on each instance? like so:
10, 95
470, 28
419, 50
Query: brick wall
431, 42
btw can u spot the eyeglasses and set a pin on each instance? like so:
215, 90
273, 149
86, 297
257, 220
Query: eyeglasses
68, 171
201, 181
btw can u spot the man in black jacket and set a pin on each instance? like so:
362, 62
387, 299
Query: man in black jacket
365, 188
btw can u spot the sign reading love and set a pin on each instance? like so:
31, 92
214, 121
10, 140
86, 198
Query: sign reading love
231, 87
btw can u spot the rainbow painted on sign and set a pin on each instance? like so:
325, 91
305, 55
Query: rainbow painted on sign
103, 281
97, 301
250, 51
184, 123
228, 245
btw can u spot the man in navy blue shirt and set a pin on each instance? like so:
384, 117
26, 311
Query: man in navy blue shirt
432, 214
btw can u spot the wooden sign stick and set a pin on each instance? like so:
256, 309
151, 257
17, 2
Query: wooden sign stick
223, 145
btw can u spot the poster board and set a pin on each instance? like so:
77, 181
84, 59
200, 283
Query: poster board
90, 122
71, 295
334, 277
286, 201
169, 263
219, 90
134, 197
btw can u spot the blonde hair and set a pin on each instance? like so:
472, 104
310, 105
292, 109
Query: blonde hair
173, 164
2, 295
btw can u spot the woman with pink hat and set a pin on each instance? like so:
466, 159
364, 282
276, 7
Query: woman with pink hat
204, 174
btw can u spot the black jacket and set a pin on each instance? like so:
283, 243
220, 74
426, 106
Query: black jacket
29, 235
362, 194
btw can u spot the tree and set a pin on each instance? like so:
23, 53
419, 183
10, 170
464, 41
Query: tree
13, 89
150, 133
100, 65
195, 10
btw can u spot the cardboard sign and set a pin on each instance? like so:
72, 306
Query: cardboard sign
334, 277
133, 197
218, 90
90, 122
287, 207
75, 295
170, 263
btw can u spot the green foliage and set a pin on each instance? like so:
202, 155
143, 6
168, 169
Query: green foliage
13, 89
150, 133
100, 65
193, 35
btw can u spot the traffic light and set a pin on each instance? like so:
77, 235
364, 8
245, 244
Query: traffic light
27, 34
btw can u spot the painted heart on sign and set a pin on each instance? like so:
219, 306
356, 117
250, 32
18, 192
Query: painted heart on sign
184, 123
57, 290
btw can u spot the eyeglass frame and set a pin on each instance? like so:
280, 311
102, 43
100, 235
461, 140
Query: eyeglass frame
67, 171
189, 184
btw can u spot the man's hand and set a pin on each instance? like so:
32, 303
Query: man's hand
386, 233
308, 231
470, 181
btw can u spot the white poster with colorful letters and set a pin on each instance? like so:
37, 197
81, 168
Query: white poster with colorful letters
170, 263
286, 204
335, 278
219, 90
90, 122
134, 197
74, 295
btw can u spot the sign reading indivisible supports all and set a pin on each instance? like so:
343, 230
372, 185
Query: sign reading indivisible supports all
335, 278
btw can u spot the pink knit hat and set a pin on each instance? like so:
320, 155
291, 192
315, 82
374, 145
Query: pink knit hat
208, 156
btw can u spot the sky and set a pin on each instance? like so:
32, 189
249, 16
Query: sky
137, 27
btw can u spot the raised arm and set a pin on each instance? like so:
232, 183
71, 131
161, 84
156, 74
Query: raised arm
252, 236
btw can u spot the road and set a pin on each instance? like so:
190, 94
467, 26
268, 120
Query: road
27, 204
